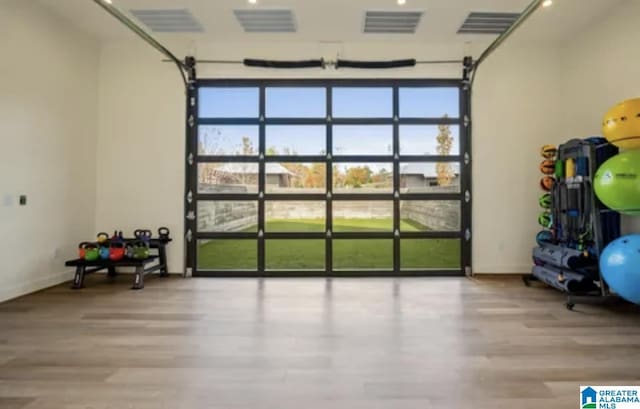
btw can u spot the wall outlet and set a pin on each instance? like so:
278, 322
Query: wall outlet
23, 200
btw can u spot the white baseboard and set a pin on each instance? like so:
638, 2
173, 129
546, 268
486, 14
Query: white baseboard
502, 270
34, 285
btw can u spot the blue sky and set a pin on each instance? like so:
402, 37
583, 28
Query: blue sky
311, 103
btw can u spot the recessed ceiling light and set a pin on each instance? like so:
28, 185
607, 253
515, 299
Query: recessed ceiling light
402, 2
253, 1
547, 3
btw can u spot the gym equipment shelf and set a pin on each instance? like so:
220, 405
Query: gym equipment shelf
84, 267
582, 228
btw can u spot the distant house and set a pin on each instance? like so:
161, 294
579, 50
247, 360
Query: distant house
421, 175
243, 173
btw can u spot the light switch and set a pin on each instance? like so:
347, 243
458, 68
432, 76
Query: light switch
7, 200
23, 200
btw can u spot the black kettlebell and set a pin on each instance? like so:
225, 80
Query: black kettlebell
163, 233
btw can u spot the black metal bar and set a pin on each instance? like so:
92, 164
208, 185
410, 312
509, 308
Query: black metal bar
396, 181
336, 273
335, 121
466, 178
338, 82
241, 62
328, 252
320, 235
140, 32
191, 169
262, 183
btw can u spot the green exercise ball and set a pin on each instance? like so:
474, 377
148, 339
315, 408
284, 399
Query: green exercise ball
617, 183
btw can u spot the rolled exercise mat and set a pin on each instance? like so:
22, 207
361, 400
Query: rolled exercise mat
561, 257
563, 280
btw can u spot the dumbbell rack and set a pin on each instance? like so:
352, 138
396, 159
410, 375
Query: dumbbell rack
84, 267
564, 188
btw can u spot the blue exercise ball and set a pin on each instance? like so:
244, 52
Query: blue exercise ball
620, 267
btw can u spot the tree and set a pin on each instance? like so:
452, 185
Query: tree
247, 146
445, 142
358, 176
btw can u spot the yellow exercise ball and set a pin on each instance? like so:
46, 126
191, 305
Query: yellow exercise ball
621, 125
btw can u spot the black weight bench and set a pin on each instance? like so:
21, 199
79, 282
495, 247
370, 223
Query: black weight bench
84, 267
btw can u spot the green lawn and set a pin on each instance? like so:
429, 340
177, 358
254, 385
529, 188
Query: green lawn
347, 253
339, 225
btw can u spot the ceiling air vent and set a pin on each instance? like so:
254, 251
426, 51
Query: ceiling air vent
266, 20
392, 22
168, 20
487, 23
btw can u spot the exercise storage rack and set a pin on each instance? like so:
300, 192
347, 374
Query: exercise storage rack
581, 225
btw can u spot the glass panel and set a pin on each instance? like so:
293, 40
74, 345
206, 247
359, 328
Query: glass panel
429, 253
228, 140
299, 217
296, 178
362, 102
228, 178
294, 254
362, 215
221, 102
224, 216
363, 178
296, 102
363, 140
434, 102
296, 140
363, 254
442, 140
430, 177
432, 215
223, 254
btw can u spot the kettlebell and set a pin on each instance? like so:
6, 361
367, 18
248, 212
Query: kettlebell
116, 251
163, 233
128, 252
82, 249
102, 237
140, 251
91, 252
104, 252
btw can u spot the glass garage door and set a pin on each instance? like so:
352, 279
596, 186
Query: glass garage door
335, 178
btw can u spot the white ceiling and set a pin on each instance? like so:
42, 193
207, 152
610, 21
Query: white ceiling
342, 20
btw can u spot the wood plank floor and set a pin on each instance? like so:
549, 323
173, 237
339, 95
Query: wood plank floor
309, 343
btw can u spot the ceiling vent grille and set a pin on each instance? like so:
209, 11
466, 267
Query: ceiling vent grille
487, 23
168, 20
392, 22
266, 20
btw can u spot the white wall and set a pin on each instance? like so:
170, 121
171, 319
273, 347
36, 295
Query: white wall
142, 109
48, 119
516, 109
601, 69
